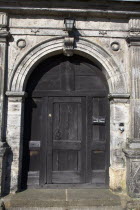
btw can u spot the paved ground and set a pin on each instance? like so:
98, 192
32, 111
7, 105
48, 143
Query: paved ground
66, 199
69, 199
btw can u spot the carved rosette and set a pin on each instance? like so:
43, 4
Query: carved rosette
21, 43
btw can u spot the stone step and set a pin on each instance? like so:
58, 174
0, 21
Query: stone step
70, 208
63, 199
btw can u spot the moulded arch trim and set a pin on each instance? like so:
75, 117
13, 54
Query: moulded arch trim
20, 74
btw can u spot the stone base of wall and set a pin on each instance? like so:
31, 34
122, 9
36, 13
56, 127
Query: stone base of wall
117, 179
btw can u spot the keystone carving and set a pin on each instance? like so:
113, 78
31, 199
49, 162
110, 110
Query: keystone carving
68, 46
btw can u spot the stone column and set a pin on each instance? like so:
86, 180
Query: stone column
133, 148
14, 134
119, 131
3, 77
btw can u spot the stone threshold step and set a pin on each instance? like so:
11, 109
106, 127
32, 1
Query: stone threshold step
70, 208
63, 199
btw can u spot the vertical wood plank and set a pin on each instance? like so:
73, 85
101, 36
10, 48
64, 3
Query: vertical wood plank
56, 122
43, 158
64, 120
55, 160
67, 76
79, 117
89, 101
102, 112
49, 140
83, 141
73, 121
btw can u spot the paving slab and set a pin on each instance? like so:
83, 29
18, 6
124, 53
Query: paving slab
63, 199
92, 194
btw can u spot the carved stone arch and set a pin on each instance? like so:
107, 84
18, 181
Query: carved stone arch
20, 74
18, 79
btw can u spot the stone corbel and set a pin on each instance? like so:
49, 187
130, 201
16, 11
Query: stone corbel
132, 153
119, 97
68, 46
16, 96
133, 143
133, 41
4, 33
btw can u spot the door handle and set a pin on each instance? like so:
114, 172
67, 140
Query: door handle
49, 115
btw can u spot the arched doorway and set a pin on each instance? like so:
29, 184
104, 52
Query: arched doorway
66, 126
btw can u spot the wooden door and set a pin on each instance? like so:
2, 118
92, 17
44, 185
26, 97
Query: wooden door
66, 129
64, 140
75, 141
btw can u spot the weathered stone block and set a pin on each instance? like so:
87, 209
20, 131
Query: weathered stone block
117, 179
133, 172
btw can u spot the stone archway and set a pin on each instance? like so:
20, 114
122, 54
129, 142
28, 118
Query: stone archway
19, 76
17, 83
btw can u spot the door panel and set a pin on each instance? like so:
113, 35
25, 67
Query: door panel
65, 121
65, 149
75, 153
97, 160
